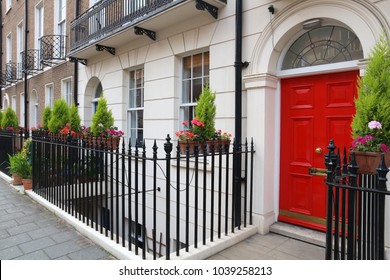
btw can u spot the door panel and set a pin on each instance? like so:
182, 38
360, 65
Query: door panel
314, 110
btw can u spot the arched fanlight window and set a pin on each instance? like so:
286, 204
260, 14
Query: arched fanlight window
323, 45
96, 97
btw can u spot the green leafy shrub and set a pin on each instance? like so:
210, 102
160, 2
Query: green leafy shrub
46, 117
1, 116
373, 101
102, 119
75, 119
9, 119
20, 165
205, 112
60, 116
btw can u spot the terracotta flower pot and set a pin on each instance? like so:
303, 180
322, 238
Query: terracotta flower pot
369, 161
27, 184
17, 180
191, 146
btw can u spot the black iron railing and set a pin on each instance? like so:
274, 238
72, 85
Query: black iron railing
3, 82
111, 15
10, 144
53, 49
31, 63
155, 203
13, 72
355, 209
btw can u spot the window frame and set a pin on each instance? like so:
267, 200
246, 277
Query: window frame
187, 109
49, 95
66, 90
133, 128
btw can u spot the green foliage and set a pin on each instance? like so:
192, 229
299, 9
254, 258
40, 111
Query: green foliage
9, 119
75, 119
46, 117
60, 116
1, 116
19, 165
102, 119
205, 112
373, 101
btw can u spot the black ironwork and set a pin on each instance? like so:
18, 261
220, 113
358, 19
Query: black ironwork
142, 31
53, 49
111, 16
355, 209
101, 48
32, 63
10, 144
3, 79
76, 59
116, 191
13, 72
201, 5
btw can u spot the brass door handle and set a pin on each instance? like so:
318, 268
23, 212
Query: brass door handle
318, 150
317, 171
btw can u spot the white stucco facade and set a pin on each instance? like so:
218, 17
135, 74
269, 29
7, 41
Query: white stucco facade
266, 38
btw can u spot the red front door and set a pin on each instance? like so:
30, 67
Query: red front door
314, 110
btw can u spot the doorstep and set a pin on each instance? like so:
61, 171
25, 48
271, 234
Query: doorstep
300, 233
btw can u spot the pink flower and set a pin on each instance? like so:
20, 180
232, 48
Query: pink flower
185, 123
374, 124
384, 148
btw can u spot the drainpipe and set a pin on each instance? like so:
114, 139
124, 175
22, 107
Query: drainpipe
76, 64
238, 117
1, 54
26, 135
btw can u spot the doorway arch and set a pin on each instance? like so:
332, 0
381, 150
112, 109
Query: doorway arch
263, 76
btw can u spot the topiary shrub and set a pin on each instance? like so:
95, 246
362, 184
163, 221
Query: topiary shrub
373, 101
205, 112
102, 119
46, 117
75, 119
60, 116
9, 119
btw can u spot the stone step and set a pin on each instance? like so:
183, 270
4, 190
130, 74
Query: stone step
299, 233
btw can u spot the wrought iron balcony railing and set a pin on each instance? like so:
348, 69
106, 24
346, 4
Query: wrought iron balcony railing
13, 72
3, 79
32, 63
107, 16
53, 49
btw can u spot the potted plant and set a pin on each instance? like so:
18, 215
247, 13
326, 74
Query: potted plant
46, 118
9, 120
59, 117
205, 112
188, 138
15, 167
103, 128
371, 123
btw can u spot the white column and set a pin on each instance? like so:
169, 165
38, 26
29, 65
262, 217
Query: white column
263, 124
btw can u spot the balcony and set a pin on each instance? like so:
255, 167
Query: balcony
32, 64
116, 22
53, 49
13, 72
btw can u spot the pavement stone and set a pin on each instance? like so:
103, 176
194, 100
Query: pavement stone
28, 231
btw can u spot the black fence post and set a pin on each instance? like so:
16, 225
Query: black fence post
330, 165
353, 182
381, 186
168, 147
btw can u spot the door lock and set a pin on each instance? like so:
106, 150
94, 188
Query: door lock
318, 150
317, 171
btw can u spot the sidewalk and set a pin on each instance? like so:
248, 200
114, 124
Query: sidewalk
29, 231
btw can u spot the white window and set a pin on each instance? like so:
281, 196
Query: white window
22, 111
38, 25
135, 109
19, 46
33, 108
13, 104
9, 48
96, 97
8, 5
195, 74
66, 91
61, 26
49, 96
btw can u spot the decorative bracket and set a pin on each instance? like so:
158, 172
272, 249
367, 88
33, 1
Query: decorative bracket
101, 48
201, 5
141, 31
76, 59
